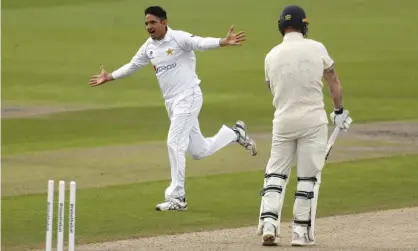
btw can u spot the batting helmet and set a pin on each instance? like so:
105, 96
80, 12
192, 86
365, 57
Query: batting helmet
294, 17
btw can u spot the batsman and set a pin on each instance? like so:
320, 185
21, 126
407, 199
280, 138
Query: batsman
294, 70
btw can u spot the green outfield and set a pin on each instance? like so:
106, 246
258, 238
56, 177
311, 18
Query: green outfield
111, 139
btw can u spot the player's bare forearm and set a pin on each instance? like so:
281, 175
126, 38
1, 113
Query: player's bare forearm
334, 86
223, 42
109, 77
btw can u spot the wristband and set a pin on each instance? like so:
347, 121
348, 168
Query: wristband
339, 111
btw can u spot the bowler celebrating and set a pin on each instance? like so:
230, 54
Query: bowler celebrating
171, 52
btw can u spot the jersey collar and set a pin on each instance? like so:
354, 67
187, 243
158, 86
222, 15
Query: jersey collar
293, 36
166, 38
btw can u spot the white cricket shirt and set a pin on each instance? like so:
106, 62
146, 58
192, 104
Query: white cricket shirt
294, 69
173, 60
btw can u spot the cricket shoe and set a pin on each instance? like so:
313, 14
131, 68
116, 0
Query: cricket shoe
300, 237
269, 235
177, 204
243, 139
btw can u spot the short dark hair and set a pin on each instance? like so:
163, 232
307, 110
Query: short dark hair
156, 11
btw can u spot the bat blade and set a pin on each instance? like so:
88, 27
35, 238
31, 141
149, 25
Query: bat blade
331, 141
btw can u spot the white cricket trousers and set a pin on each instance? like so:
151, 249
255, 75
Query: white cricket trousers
184, 135
306, 147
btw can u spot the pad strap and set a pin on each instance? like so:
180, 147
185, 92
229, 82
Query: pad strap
313, 179
276, 175
271, 188
303, 222
304, 195
271, 215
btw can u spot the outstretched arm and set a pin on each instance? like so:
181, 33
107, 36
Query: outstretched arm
233, 39
197, 43
192, 42
138, 61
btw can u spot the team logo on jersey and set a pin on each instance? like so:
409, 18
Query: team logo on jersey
163, 68
169, 52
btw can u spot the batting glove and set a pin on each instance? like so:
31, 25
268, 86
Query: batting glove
340, 118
